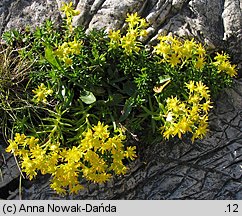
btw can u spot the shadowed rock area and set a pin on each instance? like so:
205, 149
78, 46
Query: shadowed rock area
207, 169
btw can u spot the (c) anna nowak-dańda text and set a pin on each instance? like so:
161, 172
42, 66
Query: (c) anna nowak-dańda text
67, 208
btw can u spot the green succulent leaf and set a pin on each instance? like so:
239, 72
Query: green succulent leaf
163, 79
50, 57
127, 109
87, 97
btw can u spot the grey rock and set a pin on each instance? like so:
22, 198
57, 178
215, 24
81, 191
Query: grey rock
111, 13
21, 13
207, 169
9, 174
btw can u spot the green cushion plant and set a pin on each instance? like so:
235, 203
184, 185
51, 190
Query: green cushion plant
76, 100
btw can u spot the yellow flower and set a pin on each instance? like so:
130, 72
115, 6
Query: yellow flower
15, 145
29, 167
205, 94
166, 38
189, 45
118, 167
172, 103
12, 147
200, 51
68, 10
129, 44
96, 157
54, 147
185, 116
143, 33
32, 141
66, 7
66, 49
113, 142
191, 86
231, 71
75, 46
169, 131
22, 152
184, 125
132, 19
130, 153
177, 131
72, 154
19, 138
162, 49
200, 132
143, 23
68, 61
114, 35
118, 154
199, 64
101, 131
174, 60
201, 88
221, 57
194, 99
41, 93
103, 177
185, 53
57, 186
193, 112
37, 152
89, 174
223, 66
187, 49
207, 106
76, 188
177, 48
132, 34
50, 163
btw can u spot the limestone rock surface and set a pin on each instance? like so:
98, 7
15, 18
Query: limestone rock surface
208, 169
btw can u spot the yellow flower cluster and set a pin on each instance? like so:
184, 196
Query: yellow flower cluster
69, 12
27, 149
129, 42
223, 65
97, 156
67, 50
190, 115
41, 93
177, 52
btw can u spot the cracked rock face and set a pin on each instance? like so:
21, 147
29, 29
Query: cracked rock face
21, 13
207, 169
